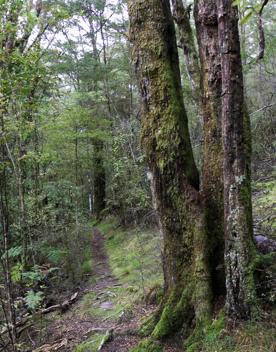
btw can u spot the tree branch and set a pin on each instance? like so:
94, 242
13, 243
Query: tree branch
261, 32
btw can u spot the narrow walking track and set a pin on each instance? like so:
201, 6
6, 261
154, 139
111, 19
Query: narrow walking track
73, 327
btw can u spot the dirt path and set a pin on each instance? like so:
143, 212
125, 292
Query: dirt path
75, 327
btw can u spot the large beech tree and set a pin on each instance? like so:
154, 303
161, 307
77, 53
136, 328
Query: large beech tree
175, 178
191, 215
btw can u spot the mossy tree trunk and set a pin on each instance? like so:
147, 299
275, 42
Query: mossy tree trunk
181, 15
175, 178
205, 14
239, 248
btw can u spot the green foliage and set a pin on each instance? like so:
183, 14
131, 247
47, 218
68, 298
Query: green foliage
133, 257
58, 97
13, 252
206, 334
33, 299
86, 267
56, 255
148, 346
250, 337
33, 276
264, 206
248, 8
16, 272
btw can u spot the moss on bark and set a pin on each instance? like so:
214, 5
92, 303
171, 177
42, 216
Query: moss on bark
175, 178
205, 13
239, 247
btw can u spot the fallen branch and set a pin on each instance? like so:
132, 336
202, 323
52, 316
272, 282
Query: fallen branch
63, 307
107, 337
57, 346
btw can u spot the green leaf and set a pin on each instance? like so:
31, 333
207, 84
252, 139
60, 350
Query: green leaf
33, 299
246, 17
13, 252
236, 2
16, 273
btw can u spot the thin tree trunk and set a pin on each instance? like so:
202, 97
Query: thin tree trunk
205, 13
98, 159
4, 218
239, 248
181, 16
175, 179
99, 179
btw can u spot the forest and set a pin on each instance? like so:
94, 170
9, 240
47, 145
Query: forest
137, 175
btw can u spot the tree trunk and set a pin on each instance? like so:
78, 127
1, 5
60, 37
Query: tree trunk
239, 247
181, 16
98, 160
205, 13
175, 179
99, 179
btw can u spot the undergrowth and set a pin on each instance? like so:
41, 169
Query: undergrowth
248, 337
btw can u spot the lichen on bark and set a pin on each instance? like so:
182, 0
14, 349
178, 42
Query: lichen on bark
175, 178
239, 247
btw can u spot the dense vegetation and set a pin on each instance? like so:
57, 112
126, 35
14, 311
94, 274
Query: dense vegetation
80, 148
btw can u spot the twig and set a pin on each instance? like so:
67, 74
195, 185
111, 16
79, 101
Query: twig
263, 108
107, 337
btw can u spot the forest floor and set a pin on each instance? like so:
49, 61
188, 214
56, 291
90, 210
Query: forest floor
101, 314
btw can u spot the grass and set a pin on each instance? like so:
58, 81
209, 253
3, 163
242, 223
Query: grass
250, 337
134, 257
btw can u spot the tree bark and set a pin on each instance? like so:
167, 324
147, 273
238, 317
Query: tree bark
98, 160
181, 16
99, 179
205, 13
239, 247
175, 178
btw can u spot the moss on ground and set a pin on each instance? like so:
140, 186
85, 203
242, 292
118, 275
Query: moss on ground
148, 345
90, 345
246, 337
134, 257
